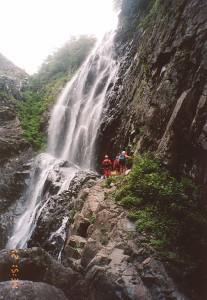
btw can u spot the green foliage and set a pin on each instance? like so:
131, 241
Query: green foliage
110, 180
122, 192
130, 201
29, 112
44, 87
72, 214
168, 210
141, 130
3, 95
153, 8
92, 218
65, 61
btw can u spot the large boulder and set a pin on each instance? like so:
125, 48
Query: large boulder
37, 265
28, 290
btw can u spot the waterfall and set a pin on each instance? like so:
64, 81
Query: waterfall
71, 137
75, 118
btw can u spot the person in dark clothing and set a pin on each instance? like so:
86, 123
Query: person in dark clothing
116, 166
122, 161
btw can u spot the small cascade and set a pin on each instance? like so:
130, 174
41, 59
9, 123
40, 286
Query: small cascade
60, 234
44, 167
71, 139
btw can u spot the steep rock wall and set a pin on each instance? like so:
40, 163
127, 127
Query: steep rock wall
14, 150
159, 102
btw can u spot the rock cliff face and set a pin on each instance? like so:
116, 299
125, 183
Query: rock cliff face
7, 68
159, 102
13, 148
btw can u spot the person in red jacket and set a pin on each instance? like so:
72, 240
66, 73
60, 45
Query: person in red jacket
107, 165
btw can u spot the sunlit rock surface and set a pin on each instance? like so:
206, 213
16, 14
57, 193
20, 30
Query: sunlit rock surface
104, 245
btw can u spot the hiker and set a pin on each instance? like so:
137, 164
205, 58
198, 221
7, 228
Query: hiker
107, 165
116, 166
122, 161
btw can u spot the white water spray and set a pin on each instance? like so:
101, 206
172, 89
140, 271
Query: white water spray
75, 119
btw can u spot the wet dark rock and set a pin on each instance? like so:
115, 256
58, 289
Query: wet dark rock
28, 290
38, 266
89, 252
162, 57
83, 227
52, 224
154, 277
12, 144
15, 151
11, 147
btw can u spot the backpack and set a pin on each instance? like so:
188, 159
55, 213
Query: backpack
122, 157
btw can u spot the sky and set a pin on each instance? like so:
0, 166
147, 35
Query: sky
30, 30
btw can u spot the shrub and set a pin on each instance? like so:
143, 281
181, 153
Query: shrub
123, 192
154, 8
130, 201
170, 211
110, 180
29, 112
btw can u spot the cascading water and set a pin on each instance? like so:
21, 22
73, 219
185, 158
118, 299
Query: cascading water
75, 118
72, 134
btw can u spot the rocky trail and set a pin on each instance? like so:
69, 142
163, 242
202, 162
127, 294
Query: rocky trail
103, 257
